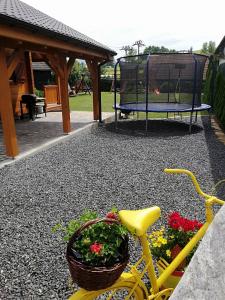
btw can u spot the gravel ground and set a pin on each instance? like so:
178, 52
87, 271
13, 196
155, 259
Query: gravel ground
95, 169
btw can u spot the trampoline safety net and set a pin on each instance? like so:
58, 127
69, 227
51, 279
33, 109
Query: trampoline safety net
161, 79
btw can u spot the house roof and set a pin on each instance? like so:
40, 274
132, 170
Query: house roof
40, 66
221, 46
15, 12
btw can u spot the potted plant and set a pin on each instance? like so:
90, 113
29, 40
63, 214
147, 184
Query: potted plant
167, 242
97, 249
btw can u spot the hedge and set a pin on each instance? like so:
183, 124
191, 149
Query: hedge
214, 92
107, 84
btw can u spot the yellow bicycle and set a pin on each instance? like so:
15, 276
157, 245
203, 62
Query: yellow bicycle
130, 285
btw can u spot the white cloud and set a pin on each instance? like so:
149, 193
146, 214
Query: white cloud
175, 24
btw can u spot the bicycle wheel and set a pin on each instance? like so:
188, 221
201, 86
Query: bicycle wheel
122, 289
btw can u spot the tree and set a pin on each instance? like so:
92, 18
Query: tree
132, 51
208, 47
204, 49
126, 49
156, 49
211, 47
78, 69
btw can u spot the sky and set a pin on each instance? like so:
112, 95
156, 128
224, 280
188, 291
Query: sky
174, 24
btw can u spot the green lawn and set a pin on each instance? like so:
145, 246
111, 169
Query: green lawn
84, 103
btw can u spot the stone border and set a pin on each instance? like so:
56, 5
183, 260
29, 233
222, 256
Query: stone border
220, 134
46, 145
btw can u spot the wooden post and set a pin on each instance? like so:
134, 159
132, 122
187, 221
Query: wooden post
94, 71
59, 89
29, 71
8, 123
63, 79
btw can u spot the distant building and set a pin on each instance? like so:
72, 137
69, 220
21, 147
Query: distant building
42, 74
220, 52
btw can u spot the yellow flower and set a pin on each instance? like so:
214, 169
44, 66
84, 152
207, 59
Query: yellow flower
168, 253
86, 241
162, 240
155, 245
156, 233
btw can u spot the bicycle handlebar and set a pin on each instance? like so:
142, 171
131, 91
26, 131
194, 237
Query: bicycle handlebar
193, 178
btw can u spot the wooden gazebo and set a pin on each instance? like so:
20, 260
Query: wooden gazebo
27, 35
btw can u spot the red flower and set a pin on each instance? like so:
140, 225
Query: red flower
174, 215
96, 248
112, 215
188, 225
198, 225
176, 221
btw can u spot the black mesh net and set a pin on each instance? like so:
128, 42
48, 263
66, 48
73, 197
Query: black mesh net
162, 78
133, 79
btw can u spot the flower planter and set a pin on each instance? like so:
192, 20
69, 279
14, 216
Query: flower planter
173, 279
95, 278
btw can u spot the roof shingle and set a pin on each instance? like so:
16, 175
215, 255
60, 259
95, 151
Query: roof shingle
18, 11
40, 66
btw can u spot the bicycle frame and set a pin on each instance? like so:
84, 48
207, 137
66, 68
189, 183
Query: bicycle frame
156, 283
133, 280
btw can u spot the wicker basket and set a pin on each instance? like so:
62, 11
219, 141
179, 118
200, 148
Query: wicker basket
95, 278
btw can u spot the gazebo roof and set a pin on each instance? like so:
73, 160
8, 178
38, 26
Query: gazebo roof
15, 12
220, 48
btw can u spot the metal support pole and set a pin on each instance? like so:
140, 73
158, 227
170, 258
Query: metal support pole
196, 116
146, 123
194, 90
146, 95
116, 125
115, 81
190, 125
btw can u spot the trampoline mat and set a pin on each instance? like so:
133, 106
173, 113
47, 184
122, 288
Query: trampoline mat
161, 107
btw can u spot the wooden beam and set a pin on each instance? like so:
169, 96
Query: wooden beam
29, 46
22, 35
54, 64
13, 61
29, 71
63, 80
93, 69
8, 123
70, 64
20, 72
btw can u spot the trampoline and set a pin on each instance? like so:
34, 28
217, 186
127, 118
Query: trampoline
161, 82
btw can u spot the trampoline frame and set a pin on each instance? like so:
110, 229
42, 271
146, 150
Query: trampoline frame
148, 105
